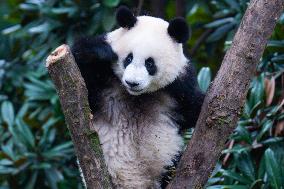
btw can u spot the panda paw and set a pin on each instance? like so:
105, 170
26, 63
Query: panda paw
93, 50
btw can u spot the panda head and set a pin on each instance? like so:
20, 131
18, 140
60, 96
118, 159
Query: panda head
149, 49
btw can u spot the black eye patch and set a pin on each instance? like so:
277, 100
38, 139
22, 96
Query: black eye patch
128, 60
150, 66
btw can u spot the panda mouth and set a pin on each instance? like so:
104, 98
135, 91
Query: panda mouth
135, 90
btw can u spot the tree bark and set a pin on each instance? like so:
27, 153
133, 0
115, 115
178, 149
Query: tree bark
73, 97
180, 8
226, 95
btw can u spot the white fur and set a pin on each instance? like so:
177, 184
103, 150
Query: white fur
137, 146
148, 38
137, 73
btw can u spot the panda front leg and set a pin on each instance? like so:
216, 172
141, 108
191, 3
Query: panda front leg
186, 92
94, 57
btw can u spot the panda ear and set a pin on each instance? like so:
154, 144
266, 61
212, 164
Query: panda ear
125, 18
178, 30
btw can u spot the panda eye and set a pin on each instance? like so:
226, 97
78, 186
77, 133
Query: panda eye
128, 60
150, 66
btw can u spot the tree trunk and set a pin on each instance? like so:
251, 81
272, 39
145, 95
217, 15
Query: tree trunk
73, 97
226, 95
180, 8
158, 8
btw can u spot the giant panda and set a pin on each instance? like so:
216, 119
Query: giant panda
143, 93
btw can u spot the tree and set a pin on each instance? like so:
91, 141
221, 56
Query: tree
220, 110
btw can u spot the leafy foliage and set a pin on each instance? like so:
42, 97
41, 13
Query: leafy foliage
35, 147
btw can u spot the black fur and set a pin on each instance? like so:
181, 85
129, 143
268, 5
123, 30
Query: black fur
179, 30
167, 177
189, 97
125, 17
151, 66
94, 57
128, 60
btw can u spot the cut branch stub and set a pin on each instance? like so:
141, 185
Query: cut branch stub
73, 97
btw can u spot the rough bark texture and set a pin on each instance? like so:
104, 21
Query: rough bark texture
226, 95
73, 93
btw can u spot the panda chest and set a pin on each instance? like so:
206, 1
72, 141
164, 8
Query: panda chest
137, 133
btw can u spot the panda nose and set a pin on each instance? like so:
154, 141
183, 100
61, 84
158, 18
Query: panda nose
131, 84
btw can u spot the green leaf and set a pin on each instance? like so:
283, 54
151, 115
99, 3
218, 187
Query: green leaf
219, 22
214, 180
228, 187
53, 177
7, 170
273, 111
273, 169
233, 4
256, 184
237, 149
279, 58
111, 3
204, 78
272, 140
32, 181
7, 149
264, 128
23, 110
281, 19
44, 27
261, 168
236, 176
28, 7
242, 134
43, 165
7, 111
60, 150
64, 10
220, 32
6, 162
25, 132
275, 43
257, 91
245, 165
255, 109
108, 21
11, 29
245, 122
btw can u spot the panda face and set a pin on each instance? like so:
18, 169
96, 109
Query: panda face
138, 73
148, 58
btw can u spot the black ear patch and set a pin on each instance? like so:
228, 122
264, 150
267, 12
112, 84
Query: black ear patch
125, 18
178, 30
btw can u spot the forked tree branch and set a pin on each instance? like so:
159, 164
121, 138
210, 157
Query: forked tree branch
73, 97
226, 95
